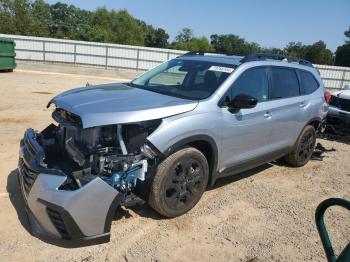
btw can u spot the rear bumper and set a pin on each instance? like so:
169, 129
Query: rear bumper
77, 217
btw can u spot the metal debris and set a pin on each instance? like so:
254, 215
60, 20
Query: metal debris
319, 151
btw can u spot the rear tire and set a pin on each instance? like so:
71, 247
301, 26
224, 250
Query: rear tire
303, 148
179, 182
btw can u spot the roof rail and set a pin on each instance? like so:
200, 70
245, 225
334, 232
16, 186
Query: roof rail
194, 53
265, 56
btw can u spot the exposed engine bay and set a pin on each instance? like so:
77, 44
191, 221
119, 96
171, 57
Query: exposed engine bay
118, 154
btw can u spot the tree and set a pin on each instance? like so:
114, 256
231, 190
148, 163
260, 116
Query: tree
347, 34
156, 37
23, 19
184, 36
185, 40
69, 21
318, 53
233, 45
42, 18
125, 29
342, 55
295, 49
7, 25
59, 20
100, 27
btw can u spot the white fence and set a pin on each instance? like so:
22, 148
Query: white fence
89, 53
124, 56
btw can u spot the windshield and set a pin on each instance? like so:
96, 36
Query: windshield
184, 78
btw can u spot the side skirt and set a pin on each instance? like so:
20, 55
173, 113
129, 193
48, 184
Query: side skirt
250, 164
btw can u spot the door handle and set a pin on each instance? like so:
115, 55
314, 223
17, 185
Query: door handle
302, 105
267, 115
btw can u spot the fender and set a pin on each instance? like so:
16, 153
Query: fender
196, 138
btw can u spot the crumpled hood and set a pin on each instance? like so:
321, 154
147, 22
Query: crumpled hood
345, 94
119, 104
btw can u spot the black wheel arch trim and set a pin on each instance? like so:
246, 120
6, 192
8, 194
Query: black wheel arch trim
315, 119
196, 138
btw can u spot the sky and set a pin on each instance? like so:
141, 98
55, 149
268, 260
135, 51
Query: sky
270, 23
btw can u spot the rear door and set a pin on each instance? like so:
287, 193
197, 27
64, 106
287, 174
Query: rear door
286, 108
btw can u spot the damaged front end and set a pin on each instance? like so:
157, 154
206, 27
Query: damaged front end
337, 126
74, 178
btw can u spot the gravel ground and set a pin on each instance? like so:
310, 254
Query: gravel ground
266, 214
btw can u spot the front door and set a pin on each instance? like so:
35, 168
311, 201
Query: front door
245, 133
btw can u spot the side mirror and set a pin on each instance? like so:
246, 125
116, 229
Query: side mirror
242, 102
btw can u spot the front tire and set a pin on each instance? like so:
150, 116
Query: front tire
179, 182
303, 148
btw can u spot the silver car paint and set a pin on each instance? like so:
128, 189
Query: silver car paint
84, 205
117, 104
247, 134
337, 112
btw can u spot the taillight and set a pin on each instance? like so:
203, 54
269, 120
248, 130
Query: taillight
327, 96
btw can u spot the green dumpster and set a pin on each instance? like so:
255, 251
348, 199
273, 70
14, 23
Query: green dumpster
7, 55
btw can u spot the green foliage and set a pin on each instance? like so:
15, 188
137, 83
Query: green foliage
7, 21
295, 49
184, 36
318, 53
125, 28
41, 18
59, 20
233, 45
342, 55
68, 21
154, 37
185, 40
347, 34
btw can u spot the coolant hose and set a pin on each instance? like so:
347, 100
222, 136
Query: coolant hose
120, 140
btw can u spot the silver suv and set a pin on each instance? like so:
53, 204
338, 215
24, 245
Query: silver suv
165, 137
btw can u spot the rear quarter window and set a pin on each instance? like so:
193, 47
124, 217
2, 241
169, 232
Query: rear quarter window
308, 82
284, 83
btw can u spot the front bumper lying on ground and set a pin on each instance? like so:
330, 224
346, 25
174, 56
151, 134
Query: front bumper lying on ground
81, 216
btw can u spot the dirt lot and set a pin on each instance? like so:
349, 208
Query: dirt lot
263, 215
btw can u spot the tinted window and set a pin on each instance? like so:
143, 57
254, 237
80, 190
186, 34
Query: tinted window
284, 83
200, 77
308, 81
170, 77
185, 78
252, 82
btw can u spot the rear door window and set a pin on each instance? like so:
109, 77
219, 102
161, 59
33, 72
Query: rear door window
285, 83
308, 82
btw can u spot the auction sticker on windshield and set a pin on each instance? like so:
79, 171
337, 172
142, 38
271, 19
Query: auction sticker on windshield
221, 69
